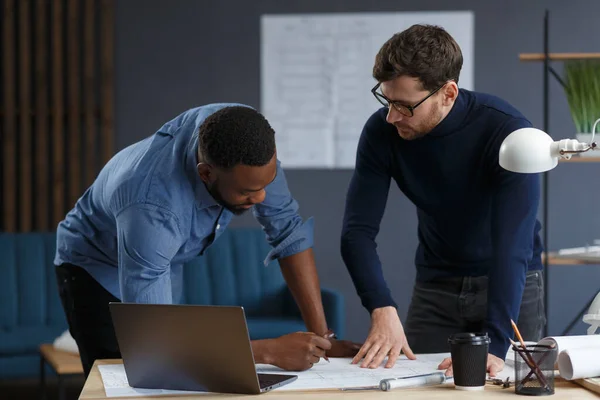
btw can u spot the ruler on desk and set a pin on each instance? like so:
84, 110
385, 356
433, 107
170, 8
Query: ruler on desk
592, 384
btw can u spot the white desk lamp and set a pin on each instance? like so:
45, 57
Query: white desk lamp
593, 316
530, 150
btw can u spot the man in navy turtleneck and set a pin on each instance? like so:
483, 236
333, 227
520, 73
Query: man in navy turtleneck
479, 255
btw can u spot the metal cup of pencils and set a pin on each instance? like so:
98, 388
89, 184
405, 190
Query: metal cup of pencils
534, 369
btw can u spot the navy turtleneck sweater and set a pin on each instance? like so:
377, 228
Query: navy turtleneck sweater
475, 218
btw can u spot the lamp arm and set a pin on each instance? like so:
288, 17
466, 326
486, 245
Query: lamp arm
594, 130
566, 147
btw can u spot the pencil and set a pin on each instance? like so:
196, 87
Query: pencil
518, 333
531, 362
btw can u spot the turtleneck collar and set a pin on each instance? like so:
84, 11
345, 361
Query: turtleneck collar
455, 117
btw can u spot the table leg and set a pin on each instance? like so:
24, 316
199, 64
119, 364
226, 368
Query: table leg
61, 387
42, 387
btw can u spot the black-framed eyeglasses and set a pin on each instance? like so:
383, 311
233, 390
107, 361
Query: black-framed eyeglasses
405, 110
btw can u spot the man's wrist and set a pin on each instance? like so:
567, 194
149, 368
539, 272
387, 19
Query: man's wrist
499, 343
384, 311
377, 299
261, 351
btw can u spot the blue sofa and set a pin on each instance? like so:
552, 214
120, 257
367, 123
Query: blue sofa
230, 273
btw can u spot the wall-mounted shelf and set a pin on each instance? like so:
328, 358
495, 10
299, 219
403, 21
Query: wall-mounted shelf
557, 56
580, 159
555, 259
546, 57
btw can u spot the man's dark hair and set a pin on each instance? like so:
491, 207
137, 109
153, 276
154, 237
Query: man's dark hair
426, 52
236, 135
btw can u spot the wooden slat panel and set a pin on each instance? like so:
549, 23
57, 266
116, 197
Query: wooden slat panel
41, 124
107, 79
25, 184
10, 139
58, 159
74, 110
88, 92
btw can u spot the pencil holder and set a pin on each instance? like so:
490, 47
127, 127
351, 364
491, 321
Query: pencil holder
534, 370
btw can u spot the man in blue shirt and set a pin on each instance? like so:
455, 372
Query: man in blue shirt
161, 202
479, 255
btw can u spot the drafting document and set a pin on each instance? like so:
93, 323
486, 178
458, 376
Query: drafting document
339, 373
116, 384
316, 77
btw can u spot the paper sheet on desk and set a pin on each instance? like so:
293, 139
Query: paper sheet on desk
116, 384
339, 373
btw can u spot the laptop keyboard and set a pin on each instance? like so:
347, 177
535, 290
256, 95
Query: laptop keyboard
266, 382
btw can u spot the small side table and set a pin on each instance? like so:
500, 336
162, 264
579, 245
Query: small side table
64, 364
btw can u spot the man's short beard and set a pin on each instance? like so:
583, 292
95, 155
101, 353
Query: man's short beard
216, 194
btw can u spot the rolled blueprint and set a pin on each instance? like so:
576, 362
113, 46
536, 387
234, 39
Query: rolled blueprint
579, 363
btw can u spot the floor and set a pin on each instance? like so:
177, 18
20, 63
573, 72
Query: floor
28, 389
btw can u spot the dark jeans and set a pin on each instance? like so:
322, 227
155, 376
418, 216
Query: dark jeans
440, 308
85, 303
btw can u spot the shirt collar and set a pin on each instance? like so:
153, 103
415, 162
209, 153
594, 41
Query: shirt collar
203, 197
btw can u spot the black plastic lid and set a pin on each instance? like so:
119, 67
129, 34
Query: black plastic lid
474, 338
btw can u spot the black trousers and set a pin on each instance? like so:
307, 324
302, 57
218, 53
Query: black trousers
440, 308
85, 302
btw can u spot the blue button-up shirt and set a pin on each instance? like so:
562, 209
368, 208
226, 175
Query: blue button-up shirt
148, 212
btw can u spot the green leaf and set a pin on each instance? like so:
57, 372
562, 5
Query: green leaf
582, 78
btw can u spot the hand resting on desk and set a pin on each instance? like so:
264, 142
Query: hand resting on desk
494, 365
386, 337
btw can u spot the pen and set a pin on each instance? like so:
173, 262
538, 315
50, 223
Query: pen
328, 335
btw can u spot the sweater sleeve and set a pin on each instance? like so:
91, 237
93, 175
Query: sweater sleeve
514, 214
365, 204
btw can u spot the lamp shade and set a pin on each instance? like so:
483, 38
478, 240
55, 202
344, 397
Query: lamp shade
528, 150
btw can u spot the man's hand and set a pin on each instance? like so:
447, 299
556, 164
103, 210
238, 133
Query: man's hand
343, 348
292, 352
494, 365
386, 338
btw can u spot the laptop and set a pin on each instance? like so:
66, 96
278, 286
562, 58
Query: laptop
189, 347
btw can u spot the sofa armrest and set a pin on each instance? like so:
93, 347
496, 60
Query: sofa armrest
333, 305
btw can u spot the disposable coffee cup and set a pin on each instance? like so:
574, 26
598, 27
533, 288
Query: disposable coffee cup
469, 353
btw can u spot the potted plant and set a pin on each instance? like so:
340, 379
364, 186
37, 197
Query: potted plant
582, 79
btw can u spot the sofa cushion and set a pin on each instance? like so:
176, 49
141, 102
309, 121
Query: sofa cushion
268, 328
30, 308
225, 277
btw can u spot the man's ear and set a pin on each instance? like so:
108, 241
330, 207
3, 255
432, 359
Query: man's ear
450, 93
206, 172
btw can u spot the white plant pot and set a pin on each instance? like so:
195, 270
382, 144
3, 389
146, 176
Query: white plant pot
587, 138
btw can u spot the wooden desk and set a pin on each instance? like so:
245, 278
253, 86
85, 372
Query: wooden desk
93, 389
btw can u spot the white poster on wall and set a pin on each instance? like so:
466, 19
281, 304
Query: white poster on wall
316, 77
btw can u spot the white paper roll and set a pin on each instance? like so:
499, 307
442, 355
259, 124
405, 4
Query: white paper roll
572, 342
579, 363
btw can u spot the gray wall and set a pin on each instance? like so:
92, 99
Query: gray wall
173, 55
